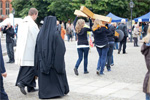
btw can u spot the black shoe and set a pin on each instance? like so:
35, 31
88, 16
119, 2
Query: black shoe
98, 72
118, 52
76, 71
86, 72
21, 88
124, 53
33, 90
11, 61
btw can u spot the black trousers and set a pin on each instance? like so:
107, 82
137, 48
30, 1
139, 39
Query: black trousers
26, 77
10, 51
123, 42
135, 41
3, 95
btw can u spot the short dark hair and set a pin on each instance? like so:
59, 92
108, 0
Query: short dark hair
32, 11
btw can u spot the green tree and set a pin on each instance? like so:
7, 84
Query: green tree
22, 7
64, 9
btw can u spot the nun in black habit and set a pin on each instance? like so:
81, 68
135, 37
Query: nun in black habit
49, 61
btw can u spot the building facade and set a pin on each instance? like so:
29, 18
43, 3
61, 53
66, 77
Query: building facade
5, 9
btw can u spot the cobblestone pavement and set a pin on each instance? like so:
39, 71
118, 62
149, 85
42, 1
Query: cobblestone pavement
124, 82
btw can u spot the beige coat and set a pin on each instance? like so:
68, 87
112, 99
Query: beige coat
27, 34
135, 32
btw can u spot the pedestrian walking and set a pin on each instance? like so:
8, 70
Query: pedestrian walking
123, 27
9, 42
111, 43
100, 32
49, 61
146, 52
27, 34
3, 73
82, 44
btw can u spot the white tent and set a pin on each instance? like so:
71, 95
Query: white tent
9, 20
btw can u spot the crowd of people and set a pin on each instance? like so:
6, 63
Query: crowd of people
40, 53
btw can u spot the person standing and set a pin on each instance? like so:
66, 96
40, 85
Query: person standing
63, 32
9, 42
69, 32
58, 27
82, 44
145, 50
135, 35
27, 34
123, 27
50, 62
3, 73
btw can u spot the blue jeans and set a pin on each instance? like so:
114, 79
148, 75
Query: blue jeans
116, 45
147, 97
102, 58
109, 54
10, 51
112, 60
82, 51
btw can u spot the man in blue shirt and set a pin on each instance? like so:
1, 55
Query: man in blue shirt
3, 95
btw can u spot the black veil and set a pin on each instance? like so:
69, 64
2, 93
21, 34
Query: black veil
44, 47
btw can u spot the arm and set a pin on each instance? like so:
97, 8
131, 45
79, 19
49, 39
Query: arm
91, 24
33, 29
75, 21
59, 53
4, 31
87, 29
2, 67
125, 30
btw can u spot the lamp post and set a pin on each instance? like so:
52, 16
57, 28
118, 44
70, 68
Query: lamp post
131, 7
13, 12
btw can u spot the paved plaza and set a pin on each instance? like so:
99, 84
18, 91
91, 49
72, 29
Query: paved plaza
124, 82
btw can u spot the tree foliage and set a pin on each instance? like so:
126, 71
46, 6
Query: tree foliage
64, 9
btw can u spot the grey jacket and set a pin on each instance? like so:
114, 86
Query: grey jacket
123, 27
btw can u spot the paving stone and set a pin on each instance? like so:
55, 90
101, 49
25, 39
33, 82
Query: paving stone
124, 94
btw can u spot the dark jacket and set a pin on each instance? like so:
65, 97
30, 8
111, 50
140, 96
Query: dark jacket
145, 30
100, 36
82, 35
2, 67
9, 34
111, 36
145, 50
123, 27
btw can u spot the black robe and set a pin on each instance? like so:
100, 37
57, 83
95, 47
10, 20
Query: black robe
49, 61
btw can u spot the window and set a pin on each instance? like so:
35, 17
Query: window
1, 8
7, 8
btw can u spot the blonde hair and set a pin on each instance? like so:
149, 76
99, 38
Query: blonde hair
146, 39
79, 25
97, 22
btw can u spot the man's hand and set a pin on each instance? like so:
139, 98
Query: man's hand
4, 74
